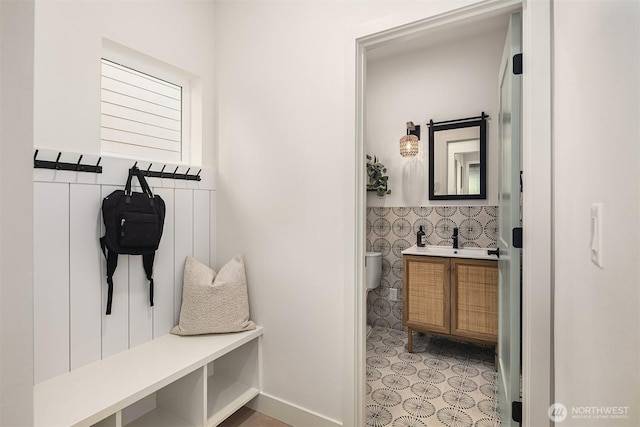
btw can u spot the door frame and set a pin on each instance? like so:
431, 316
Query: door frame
537, 321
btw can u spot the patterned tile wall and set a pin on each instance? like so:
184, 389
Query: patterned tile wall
392, 230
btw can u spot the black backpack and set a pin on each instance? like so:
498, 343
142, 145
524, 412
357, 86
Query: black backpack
133, 225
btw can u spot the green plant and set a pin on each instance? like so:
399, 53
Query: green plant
377, 178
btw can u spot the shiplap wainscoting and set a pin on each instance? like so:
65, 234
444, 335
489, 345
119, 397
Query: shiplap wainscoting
70, 290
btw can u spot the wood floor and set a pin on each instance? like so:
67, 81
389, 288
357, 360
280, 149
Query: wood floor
246, 417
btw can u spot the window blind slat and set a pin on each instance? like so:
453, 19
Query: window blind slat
140, 80
139, 128
137, 152
123, 137
136, 92
139, 105
140, 117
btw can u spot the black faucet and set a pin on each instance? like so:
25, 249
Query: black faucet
455, 238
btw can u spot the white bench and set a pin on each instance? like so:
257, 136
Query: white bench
171, 381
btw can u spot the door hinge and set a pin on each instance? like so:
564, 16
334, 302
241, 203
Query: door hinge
517, 64
516, 411
516, 237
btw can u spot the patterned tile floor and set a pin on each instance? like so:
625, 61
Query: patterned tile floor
442, 383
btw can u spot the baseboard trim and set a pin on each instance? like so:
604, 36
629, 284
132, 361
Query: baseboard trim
289, 413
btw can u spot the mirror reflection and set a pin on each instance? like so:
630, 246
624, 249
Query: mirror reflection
457, 159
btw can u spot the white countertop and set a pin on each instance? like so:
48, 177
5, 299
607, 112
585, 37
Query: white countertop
449, 252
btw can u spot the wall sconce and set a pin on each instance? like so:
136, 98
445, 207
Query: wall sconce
409, 144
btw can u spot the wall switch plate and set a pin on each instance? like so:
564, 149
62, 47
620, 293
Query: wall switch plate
393, 294
596, 235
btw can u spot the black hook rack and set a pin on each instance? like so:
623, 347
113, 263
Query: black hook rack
173, 175
58, 165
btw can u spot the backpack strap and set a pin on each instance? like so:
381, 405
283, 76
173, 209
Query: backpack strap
112, 263
147, 262
135, 171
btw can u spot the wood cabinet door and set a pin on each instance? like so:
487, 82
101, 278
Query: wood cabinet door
426, 293
474, 299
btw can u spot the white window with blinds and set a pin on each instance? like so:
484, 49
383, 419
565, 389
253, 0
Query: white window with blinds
142, 117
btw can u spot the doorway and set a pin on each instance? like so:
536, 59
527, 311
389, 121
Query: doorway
462, 18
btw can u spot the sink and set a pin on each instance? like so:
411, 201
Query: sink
446, 251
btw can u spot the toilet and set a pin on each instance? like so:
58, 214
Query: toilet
373, 273
373, 269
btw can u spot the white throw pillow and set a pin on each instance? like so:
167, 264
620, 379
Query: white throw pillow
214, 303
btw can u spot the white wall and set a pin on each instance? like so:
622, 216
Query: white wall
596, 154
446, 81
16, 235
68, 48
286, 182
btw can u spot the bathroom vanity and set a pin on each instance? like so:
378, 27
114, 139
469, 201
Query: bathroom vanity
450, 292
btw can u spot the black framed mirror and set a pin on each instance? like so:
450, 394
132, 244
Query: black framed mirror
458, 159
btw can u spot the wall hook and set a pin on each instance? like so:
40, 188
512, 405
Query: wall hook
173, 175
58, 165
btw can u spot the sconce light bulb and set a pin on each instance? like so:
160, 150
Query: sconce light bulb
409, 146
